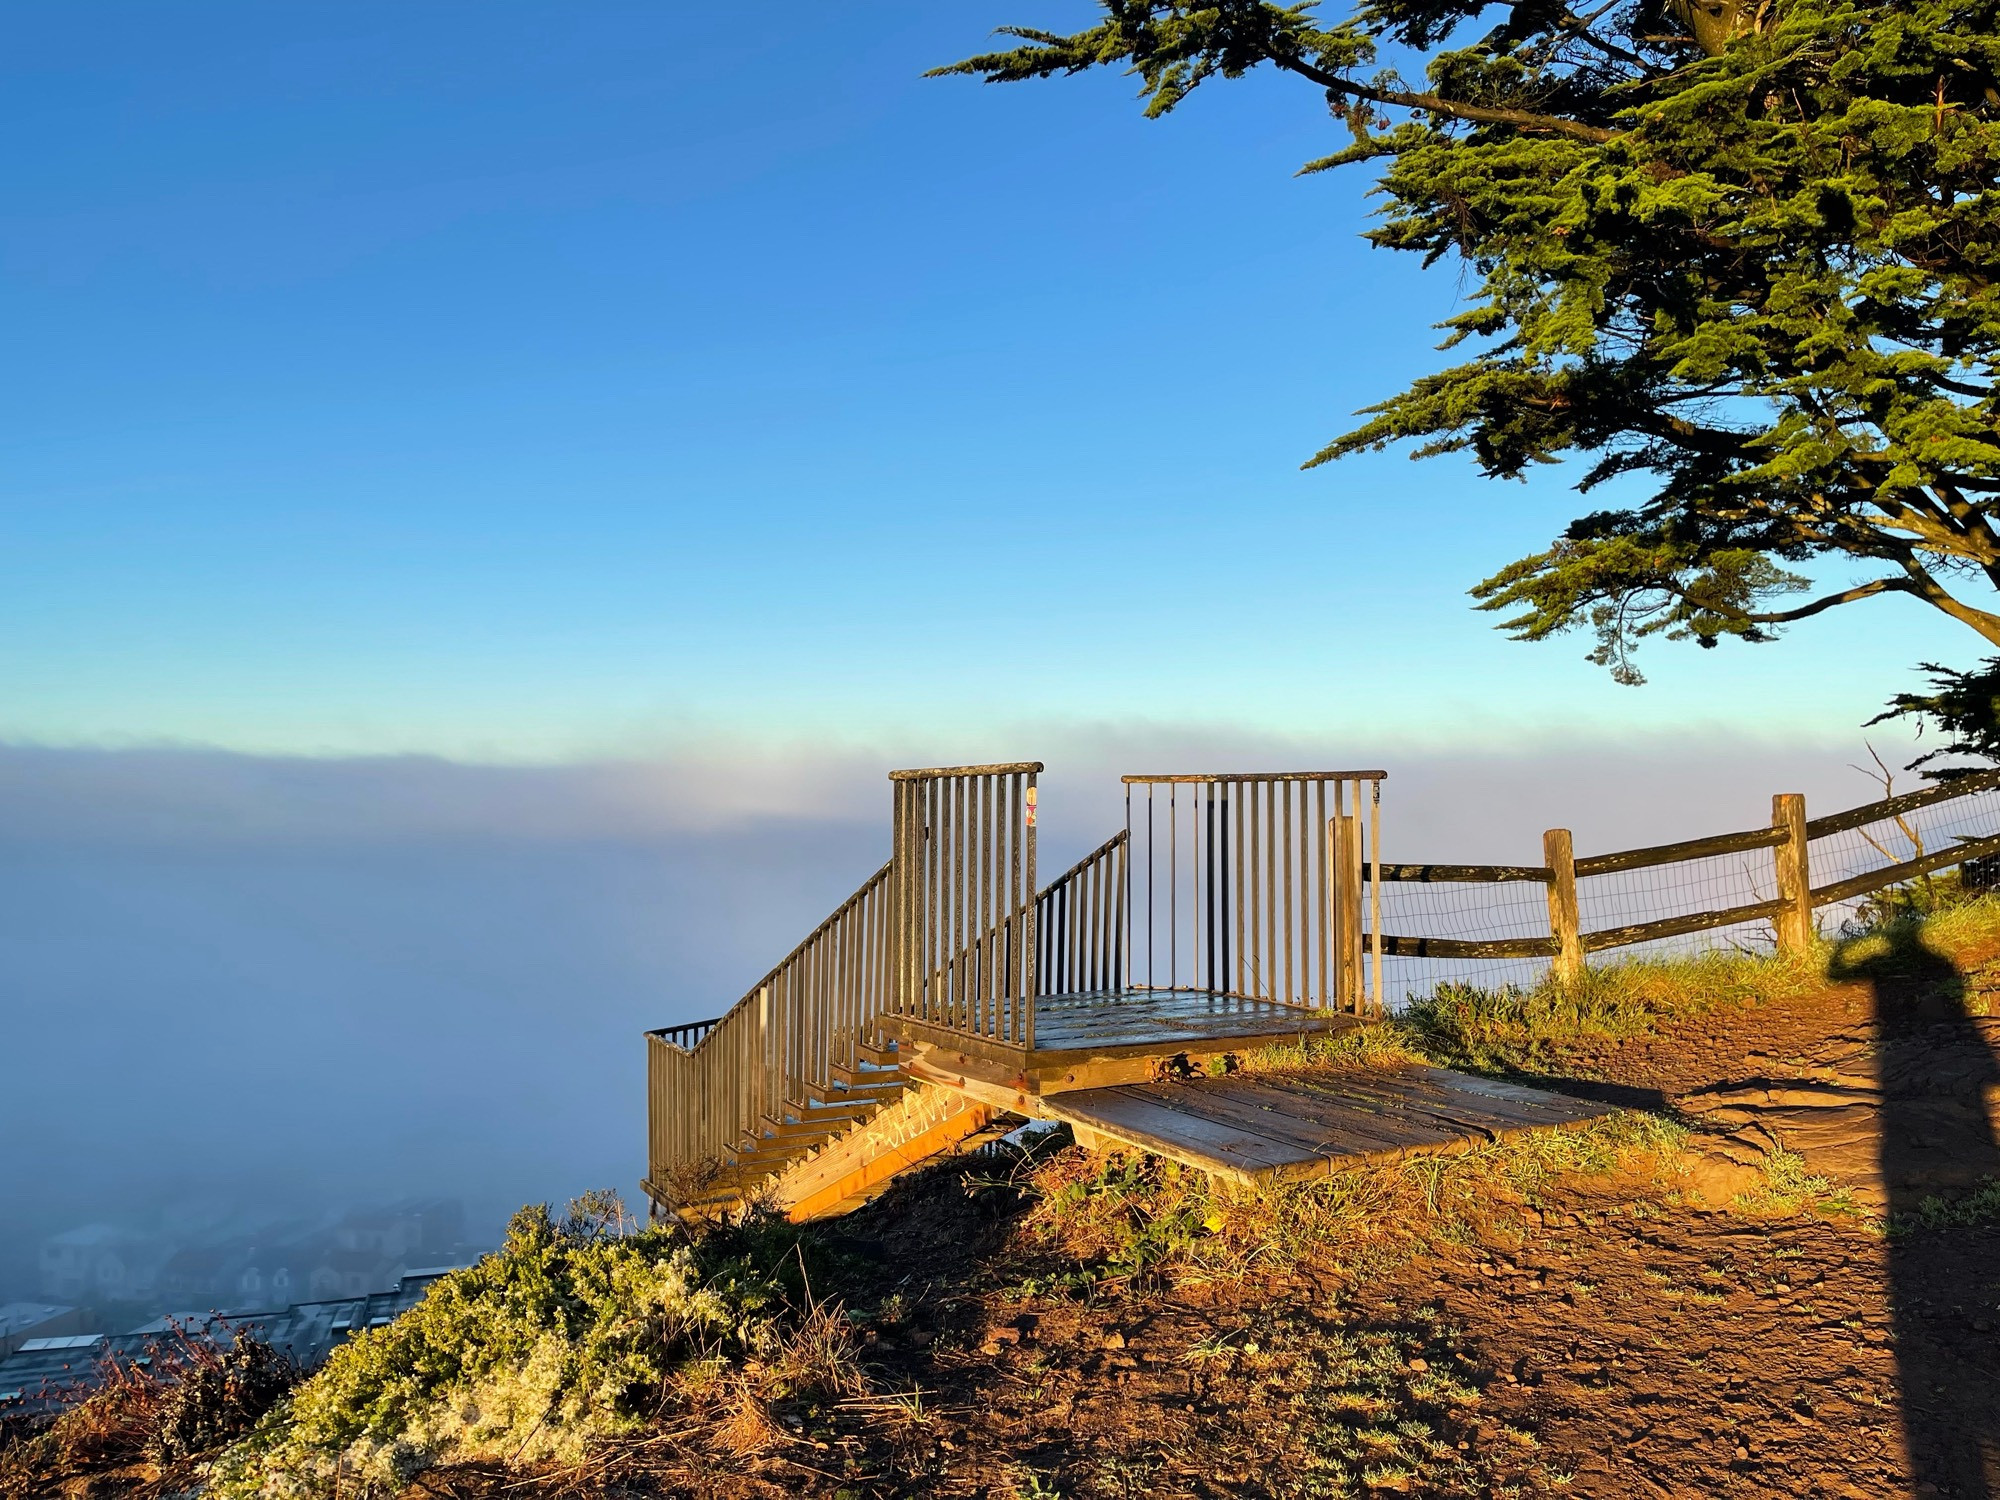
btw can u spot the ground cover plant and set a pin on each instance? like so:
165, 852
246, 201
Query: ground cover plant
574, 1332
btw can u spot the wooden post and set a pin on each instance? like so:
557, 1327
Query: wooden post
1795, 922
1559, 855
1343, 856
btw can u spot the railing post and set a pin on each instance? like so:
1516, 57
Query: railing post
1026, 999
1343, 855
1559, 854
1795, 922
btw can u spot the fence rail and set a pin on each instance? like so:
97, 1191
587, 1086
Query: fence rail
1784, 894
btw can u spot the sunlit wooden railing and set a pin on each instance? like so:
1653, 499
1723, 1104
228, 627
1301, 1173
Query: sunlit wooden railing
1080, 927
1251, 884
963, 884
795, 1040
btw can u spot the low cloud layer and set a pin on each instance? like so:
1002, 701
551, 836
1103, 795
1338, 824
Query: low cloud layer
301, 980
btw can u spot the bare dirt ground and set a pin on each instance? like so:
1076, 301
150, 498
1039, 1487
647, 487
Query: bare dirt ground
1620, 1348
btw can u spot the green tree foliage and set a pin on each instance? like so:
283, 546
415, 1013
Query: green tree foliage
1742, 251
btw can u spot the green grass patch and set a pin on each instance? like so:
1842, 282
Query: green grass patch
1124, 1216
1964, 1212
1531, 1028
1461, 1025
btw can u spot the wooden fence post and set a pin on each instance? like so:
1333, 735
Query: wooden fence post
1559, 854
1795, 922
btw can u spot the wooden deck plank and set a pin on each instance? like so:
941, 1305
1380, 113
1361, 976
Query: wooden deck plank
1392, 1108
1269, 1127
1417, 1089
1319, 1123
1287, 1135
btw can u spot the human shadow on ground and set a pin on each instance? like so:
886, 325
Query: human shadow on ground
1936, 1072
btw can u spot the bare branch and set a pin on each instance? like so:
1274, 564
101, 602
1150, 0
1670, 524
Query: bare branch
1478, 114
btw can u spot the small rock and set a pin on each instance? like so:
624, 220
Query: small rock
1112, 1340
1420, 1365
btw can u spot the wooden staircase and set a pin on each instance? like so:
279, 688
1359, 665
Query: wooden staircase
906, 1024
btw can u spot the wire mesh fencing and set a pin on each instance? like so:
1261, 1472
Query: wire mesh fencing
1497, 926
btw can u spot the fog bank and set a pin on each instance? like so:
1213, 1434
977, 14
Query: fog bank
302, 979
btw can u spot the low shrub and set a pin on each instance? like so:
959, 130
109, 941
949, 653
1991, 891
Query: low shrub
187, 1398
572, 1332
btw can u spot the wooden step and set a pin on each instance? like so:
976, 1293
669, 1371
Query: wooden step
884, 1057
867, 1077
819, 1114
864, 1159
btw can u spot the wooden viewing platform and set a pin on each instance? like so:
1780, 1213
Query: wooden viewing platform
953, 996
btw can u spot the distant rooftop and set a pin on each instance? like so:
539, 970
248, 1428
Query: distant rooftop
15, 1316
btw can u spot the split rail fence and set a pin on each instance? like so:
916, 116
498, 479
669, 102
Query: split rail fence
1758, 887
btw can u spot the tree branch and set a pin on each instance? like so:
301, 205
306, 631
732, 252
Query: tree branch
1478, 114
1806, 611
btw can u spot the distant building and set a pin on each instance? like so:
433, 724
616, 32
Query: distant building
272, 1277
97, 1262
198, 1273
48, 1372
353, 1273
21, 1321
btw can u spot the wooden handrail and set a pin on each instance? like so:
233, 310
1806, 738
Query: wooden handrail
1008, 768
1394, 946
1204, 777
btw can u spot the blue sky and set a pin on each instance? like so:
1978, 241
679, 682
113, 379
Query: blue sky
550, 381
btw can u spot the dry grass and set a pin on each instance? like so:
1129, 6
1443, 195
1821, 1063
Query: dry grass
1526, 1028
1125, 1216
150, 1422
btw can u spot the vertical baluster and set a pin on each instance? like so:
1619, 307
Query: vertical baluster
1271, 890
1149, 884
1289, 992
1027, 1036
1228, 837
1125, 893
1237, 837
1208, 888
1018, 963
1173, 886
1256, 819
1195, 848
